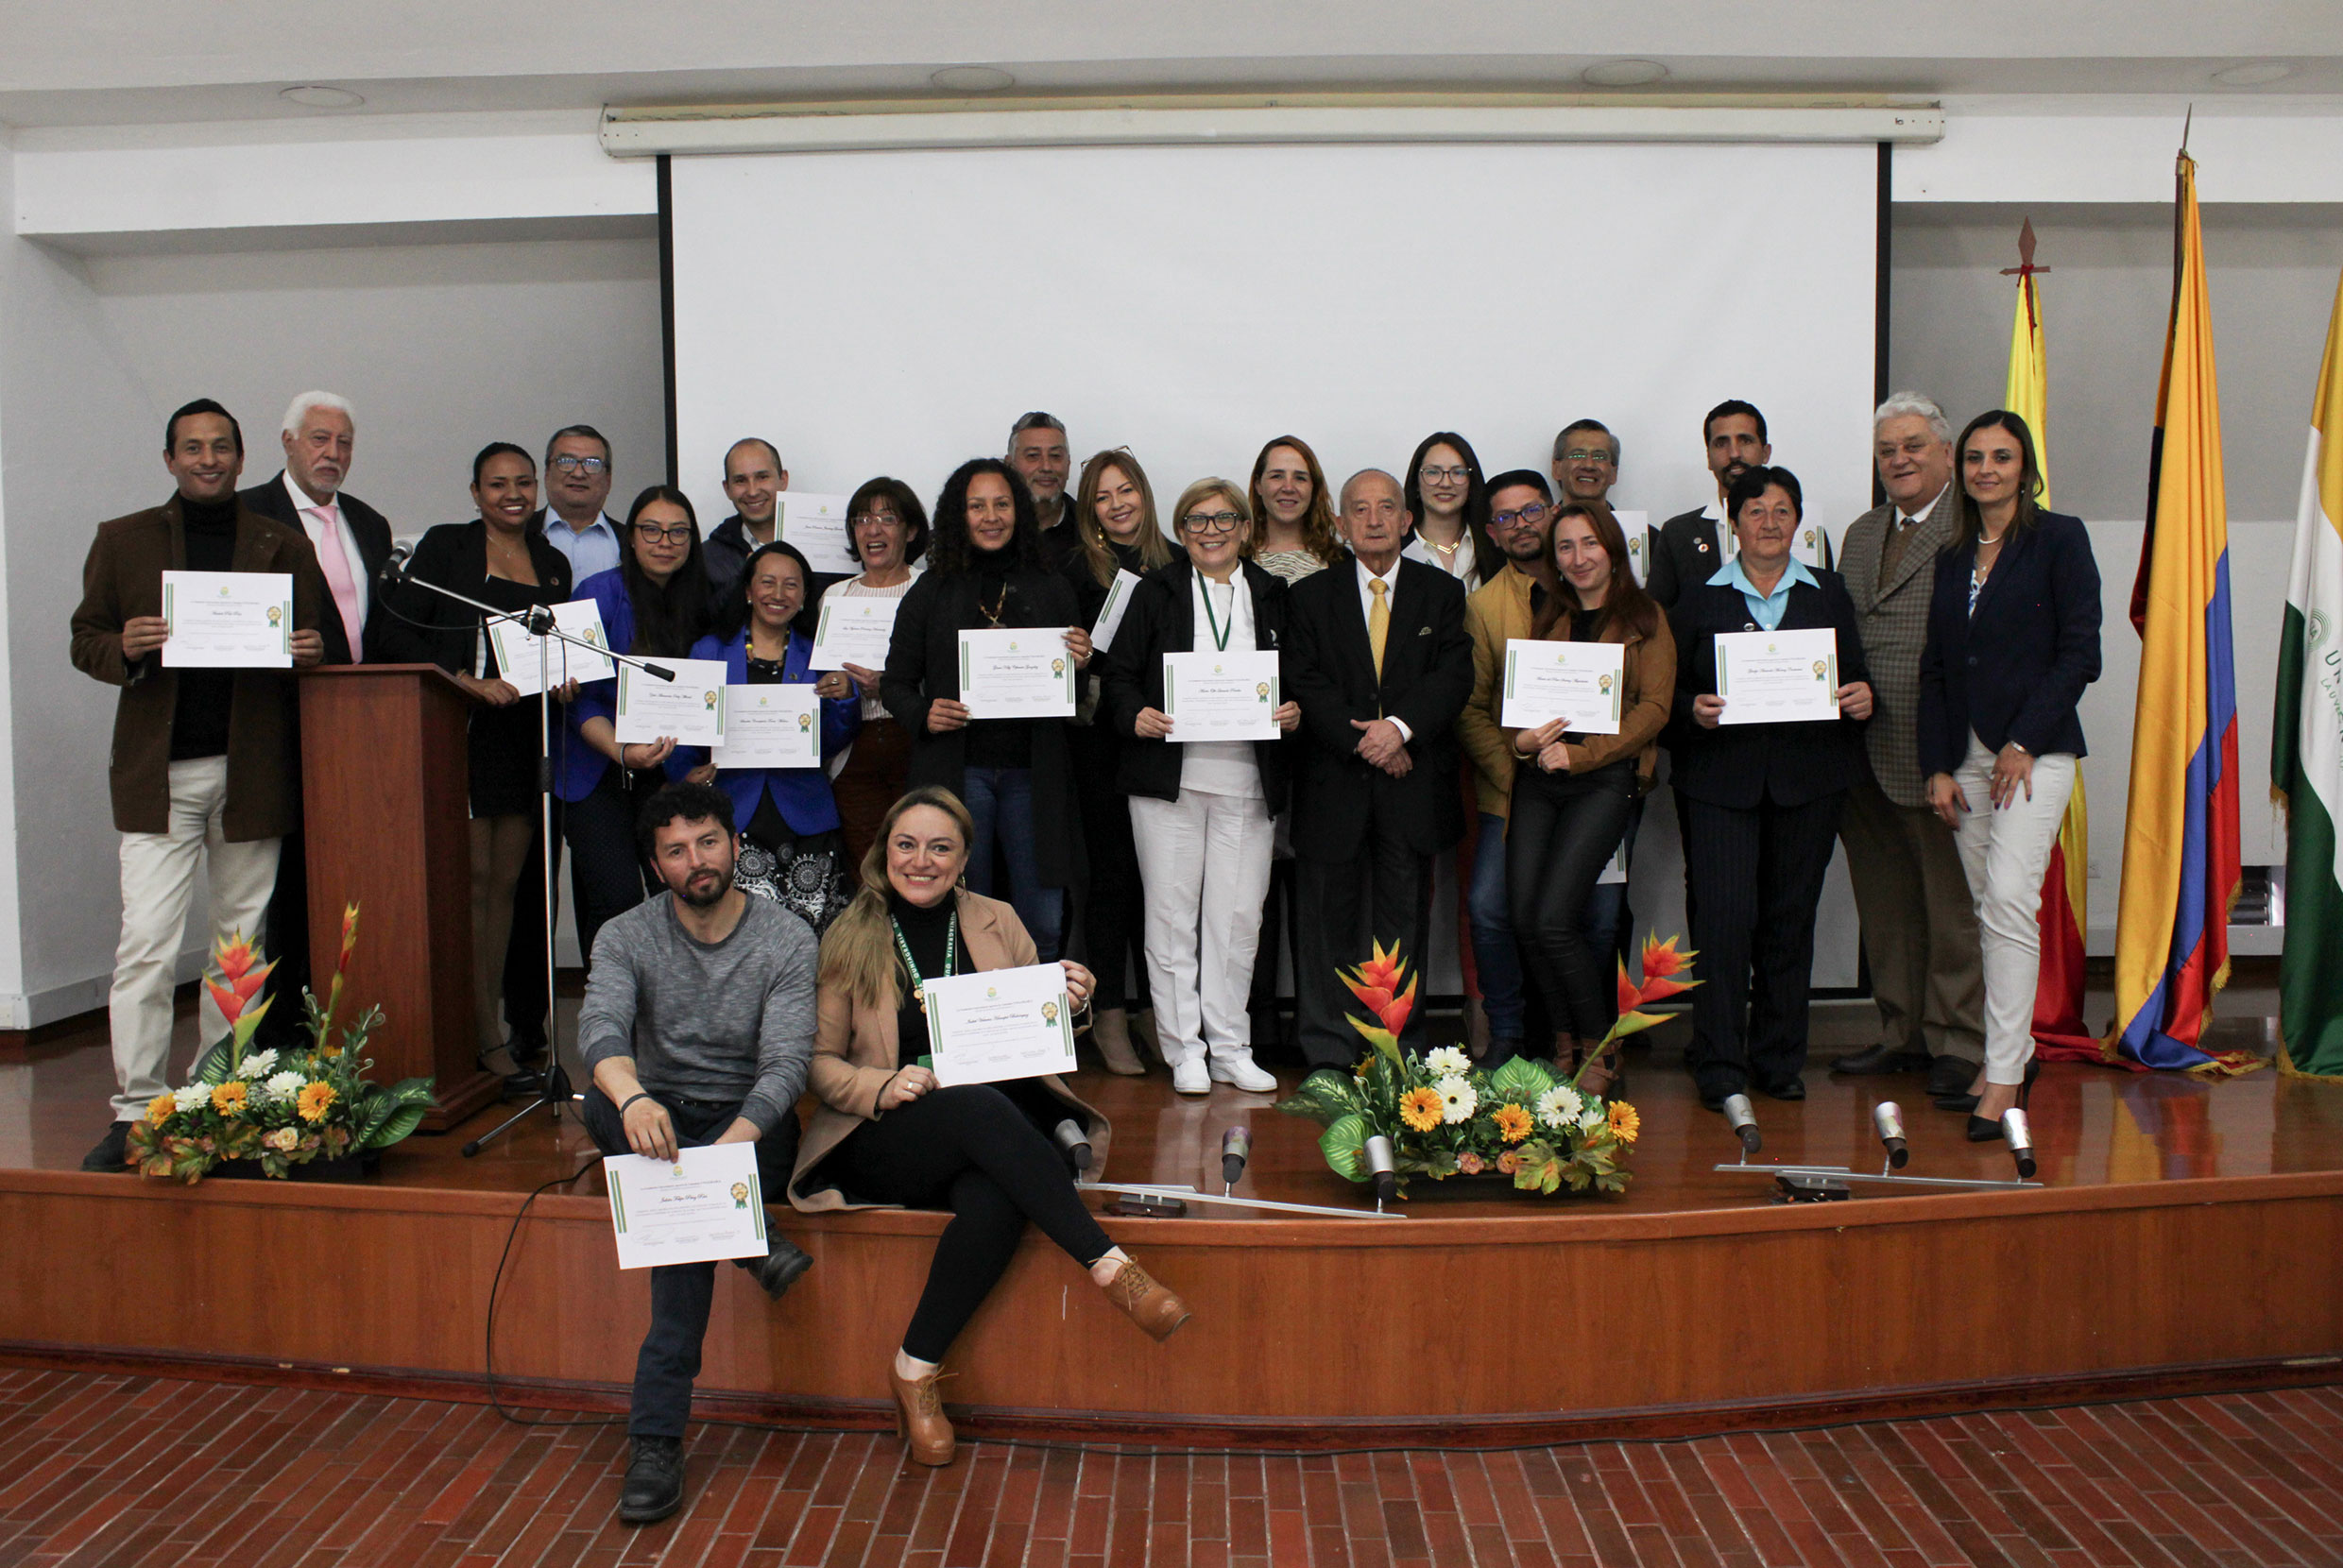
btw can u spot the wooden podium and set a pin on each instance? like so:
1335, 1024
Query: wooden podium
386, 820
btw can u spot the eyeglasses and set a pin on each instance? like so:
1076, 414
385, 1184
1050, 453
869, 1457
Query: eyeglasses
1597, 455
1210, 522
679, 533
1535, 513
1458, 474
568, 464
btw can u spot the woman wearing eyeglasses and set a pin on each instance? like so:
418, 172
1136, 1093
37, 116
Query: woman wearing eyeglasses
887, 532
1201, 811
654, 605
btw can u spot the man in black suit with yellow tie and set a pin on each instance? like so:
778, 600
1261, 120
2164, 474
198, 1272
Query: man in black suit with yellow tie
1378, 658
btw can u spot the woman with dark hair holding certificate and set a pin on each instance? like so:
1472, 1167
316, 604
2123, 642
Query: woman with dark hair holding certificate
1771, 685
890, 1133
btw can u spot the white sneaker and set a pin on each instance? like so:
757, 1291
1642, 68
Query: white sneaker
1190, 1077
1238, 1068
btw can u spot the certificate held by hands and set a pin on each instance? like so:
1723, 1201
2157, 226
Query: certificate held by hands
853, 629
1000, 1024
1221, 696
777, 726
1579, 683
816, 524
1017, 672
690, 708
1111, 613
228, 619
1778, 677
517, 659
703, 1205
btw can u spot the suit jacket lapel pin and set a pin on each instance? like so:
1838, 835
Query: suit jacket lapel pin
1703, 545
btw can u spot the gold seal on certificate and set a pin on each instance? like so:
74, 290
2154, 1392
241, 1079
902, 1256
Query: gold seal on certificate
704, 1204
228, 619
772, 726
816, 524
1000, 1024
1636, 527
1581, 683
690, 708
1221, 696
1017, 672
517, 658
1778, 677
854, 628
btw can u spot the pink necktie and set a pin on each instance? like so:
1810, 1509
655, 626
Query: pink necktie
335, 563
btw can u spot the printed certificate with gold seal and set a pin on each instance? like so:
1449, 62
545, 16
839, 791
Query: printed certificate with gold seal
689, 708
1017, 672
1778, 677
228, 619
773, 725
704, 1204
1000, 1024
1222, 696
1579, 683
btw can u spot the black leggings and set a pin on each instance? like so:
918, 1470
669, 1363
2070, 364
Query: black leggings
969, 1149
1563, 830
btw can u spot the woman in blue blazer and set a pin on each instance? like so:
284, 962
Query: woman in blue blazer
792, 851
2014, 637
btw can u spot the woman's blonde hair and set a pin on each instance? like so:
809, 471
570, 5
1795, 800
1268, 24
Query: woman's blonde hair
1227, 491
1154, 550
857, 951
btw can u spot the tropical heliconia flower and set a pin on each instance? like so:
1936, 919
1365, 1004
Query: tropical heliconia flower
1447, 1062
1420, 1109
1376, 983
314, 1101
1625, 1123
1458, 1102
1560, 1105
1662, 964
1513, 1123
159, 1109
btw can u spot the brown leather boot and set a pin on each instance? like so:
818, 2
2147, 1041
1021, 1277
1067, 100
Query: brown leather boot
1151, 1305
920, 1415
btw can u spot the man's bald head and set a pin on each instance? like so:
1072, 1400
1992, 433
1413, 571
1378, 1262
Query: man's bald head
1375, 518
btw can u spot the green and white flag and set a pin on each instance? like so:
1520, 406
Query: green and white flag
2306, 751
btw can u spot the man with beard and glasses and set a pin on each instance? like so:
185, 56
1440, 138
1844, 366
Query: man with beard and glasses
697, 1028
1691, 547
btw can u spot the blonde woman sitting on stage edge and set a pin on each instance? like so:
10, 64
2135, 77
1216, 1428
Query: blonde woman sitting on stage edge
888, 1135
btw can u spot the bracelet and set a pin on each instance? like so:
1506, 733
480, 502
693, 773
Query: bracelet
631, 1098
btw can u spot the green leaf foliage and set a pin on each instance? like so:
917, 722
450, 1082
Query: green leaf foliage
1345, 1144
1324, 1097
1520, 1080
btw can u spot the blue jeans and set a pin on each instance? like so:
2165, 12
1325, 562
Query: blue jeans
1493, 933
1001, 802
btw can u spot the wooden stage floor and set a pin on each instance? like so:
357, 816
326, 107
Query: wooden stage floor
2188, 1235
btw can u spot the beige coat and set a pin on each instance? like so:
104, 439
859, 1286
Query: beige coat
1892, 617
854, 1053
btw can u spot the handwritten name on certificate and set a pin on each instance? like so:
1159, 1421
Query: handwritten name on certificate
816, 524
690, 708
517, 655
1778, 677
1221, 696
1000, 1024
1017, 672
777, 726
1111, 612
1581, 683
703, 1205
853, 629
228, 619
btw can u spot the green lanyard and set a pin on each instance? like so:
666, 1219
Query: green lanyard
1220, 637
951, 956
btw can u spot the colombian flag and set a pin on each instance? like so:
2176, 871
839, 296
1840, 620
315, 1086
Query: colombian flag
2180, 864
2059, 1031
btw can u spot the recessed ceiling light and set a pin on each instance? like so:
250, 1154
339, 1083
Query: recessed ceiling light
972, 79
1624, 72
2258, 75
313, 97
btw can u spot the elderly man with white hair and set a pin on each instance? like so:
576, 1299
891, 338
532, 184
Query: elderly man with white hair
1920, 928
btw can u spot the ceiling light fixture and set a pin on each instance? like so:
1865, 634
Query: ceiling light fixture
2259, 74
315, 96
972, 79
1624, 72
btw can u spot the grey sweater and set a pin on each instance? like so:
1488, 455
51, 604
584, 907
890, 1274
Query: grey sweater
728, 1021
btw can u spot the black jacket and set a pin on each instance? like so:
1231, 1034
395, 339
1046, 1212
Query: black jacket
455, 557
1162, 619
1738, 765
1427, 680
366, 526
2014, 670
923, 665
1684, 556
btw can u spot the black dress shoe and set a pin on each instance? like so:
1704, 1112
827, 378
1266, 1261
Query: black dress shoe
654, 1484
1792, 1089
113, 1153
1981, 1131
1950, 1075
1881, 1059
778, 1269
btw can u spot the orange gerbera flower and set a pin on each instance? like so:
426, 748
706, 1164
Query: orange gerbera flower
1625, 1123
1513, 1123
314, 1101
229, 1098
1420, 1108
160, 1108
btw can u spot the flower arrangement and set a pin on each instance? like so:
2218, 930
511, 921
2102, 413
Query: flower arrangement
1446, 1117
281, 1109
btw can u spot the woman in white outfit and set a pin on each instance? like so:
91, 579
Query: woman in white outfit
1199, 810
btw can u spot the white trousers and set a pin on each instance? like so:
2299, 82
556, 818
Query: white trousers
1205, 861
158, 883
2004, 853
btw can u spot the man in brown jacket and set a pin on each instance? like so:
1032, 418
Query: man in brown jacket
1920, 928
202, 770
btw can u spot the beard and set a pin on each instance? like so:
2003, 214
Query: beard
719, 884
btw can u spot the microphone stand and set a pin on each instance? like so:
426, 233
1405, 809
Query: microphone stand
553, 1082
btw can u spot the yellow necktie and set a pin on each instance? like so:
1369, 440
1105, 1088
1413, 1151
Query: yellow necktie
1379, 620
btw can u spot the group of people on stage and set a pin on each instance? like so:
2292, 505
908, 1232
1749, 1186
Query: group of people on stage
754, 933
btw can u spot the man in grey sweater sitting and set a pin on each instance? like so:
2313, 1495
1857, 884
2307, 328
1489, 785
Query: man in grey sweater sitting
696, 1030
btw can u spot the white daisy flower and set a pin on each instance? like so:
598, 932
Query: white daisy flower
284, 1086
1560, 1106
1593, 1120
1456, 1101
257, 1065
192, 1096
1449, 1062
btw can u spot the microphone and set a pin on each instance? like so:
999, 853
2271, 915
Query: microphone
1888, 1116
1382, 1175
2021, 1136
660, 670
1074, 1144
1744, 1124
394, 566
1236, 1147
